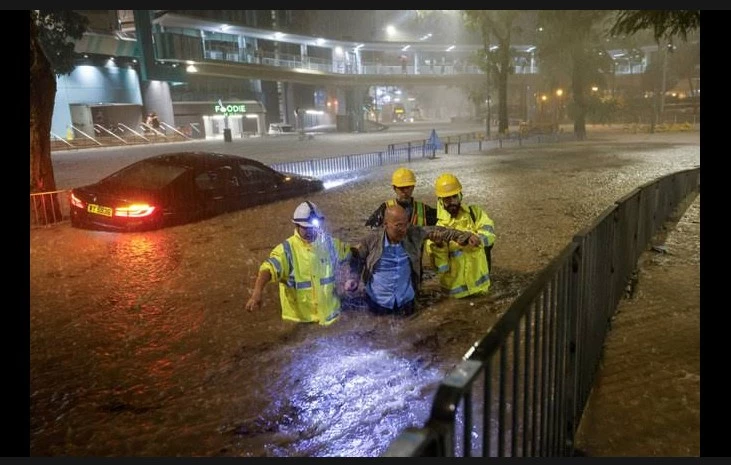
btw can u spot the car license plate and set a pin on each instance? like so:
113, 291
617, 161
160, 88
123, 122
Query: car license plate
99, 210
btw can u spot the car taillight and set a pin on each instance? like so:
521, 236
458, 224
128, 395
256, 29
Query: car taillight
137, 210
75, 201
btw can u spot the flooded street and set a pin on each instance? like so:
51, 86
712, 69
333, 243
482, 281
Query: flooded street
140, 345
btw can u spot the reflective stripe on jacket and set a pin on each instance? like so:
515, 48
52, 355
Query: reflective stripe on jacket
418, 215
463, 270
306, 276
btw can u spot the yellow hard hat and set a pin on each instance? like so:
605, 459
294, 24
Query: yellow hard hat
447, 185
403, 177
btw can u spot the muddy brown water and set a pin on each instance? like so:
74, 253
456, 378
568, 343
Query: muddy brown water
140, 345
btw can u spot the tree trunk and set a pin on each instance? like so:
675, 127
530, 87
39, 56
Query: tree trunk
486, 45
42, 97
577, 87
502, 89
503, 103
663, 81
692, 95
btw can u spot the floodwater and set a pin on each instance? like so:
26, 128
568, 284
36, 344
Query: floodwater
140, 345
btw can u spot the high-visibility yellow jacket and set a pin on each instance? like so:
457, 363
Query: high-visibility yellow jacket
421, 213
306, 275
418, 215
463, 270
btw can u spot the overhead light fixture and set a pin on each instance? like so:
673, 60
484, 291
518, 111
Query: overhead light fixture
320, 41
450, 48
358, 47
191, 69
405, 48
224, 27
278, 35
530, 49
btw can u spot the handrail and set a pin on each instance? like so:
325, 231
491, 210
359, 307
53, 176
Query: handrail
99, 126
85, 134
173, 129
153, 130
133, 131
543, 354
62, 140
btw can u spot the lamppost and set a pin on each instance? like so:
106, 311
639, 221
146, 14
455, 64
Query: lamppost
488, 123
559, 93
544, 98
489, 116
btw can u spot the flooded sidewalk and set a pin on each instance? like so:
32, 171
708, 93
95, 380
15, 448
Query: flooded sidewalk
646, 397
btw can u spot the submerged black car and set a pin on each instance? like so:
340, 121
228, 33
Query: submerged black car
176, 188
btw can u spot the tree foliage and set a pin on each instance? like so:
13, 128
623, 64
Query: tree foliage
664, 24
56, 28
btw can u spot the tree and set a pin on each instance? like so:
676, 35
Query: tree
51, 53
631, 55
665, 25
498, 25
569, 40
684, 62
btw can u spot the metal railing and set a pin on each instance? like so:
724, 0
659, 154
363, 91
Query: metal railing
325, 167
521, 390
49, 208
117, 135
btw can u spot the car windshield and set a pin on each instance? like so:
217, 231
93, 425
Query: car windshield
147, 175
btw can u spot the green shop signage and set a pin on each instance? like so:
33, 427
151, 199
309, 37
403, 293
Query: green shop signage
232, 108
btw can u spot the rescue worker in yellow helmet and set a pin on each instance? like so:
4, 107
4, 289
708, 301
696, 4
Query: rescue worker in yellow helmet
391, 261
305, 266
462, 270
403, 181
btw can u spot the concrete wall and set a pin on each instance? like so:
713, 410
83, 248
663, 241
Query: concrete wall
93, 86
156, 98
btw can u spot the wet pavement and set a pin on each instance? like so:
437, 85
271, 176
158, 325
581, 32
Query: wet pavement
140, 345
647, 395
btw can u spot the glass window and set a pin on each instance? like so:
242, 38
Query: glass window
147, 175
220, 178
255, 173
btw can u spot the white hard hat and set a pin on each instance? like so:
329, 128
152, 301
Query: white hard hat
308, 215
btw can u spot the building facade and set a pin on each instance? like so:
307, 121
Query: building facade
339, 68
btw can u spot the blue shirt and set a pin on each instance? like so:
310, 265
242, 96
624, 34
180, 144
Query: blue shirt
390, 285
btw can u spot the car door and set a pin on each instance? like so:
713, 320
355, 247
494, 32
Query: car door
260, 184
221, 188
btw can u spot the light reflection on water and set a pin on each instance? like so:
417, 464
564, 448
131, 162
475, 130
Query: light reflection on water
335, 182
352, 400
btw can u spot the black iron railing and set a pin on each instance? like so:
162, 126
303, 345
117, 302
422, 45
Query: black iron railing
521, 390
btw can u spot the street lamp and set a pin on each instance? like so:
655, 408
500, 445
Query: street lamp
544, 98
559, 93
